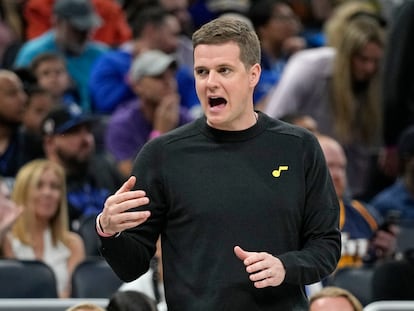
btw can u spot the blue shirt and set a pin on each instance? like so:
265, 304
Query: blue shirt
395, 198
109, 85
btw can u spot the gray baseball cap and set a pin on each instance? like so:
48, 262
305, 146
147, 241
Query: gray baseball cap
151, 63
79, 13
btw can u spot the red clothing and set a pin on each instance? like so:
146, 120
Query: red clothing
114, 30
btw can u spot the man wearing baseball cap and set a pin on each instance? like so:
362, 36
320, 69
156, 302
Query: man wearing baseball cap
74, 21
154, 111
91, 176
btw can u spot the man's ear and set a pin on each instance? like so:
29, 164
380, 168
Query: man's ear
254, 73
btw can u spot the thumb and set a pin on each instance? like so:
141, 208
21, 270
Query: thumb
241, 253
128, 185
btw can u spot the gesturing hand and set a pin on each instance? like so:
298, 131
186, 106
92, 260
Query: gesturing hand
114, 219
264, 269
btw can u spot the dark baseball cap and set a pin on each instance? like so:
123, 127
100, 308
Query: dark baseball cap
79, 13
64, 117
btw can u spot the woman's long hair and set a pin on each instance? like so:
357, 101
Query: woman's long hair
356, 116
27, 180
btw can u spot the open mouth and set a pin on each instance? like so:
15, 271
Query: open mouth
215, 101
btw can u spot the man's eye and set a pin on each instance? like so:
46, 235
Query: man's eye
224, 70
201, 72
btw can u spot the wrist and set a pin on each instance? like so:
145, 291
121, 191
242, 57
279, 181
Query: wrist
100, 230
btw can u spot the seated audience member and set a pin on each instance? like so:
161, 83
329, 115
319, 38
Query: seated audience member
9, 212
334, 299
85, 306
42, 231
50, 71
277, 27
113, 31
362, 237
155, 110
90, 176
15, 145
154, 28
39, 103
131, 300
73, 23
399, 197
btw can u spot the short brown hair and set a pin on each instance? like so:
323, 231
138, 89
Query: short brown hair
223, 30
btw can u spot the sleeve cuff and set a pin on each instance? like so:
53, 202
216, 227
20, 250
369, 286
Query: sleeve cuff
99, 228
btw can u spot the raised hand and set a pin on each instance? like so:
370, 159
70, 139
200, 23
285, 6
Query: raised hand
116, 216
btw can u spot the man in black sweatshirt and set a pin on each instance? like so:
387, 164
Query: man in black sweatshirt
244, 204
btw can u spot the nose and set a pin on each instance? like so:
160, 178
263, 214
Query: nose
212, 79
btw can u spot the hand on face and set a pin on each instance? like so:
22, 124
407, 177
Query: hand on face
167, 114
264, 269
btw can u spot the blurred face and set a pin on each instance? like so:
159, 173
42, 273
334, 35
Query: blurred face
45, 197
283, 24
74, 147
12, 100
70, 39
153, 89
365, 63
167, 37
336, 161
225, 86
37, 108
53, 76
331, 303
179, 8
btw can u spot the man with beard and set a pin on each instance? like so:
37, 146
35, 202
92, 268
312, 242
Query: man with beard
15, 147
91, 176
74, 22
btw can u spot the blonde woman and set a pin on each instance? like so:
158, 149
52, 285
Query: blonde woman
41, 232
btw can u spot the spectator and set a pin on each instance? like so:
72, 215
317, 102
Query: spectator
278, 29
42, 231
339, 88
131, 300
154, 29
155, 111
74, 21
39, 103
15, 145
90, 176
9, 212
334, 299
179, 8
399, 197
85, 306
363, 239
50, 71
113, 31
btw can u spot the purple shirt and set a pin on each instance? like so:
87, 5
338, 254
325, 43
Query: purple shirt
128, 130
